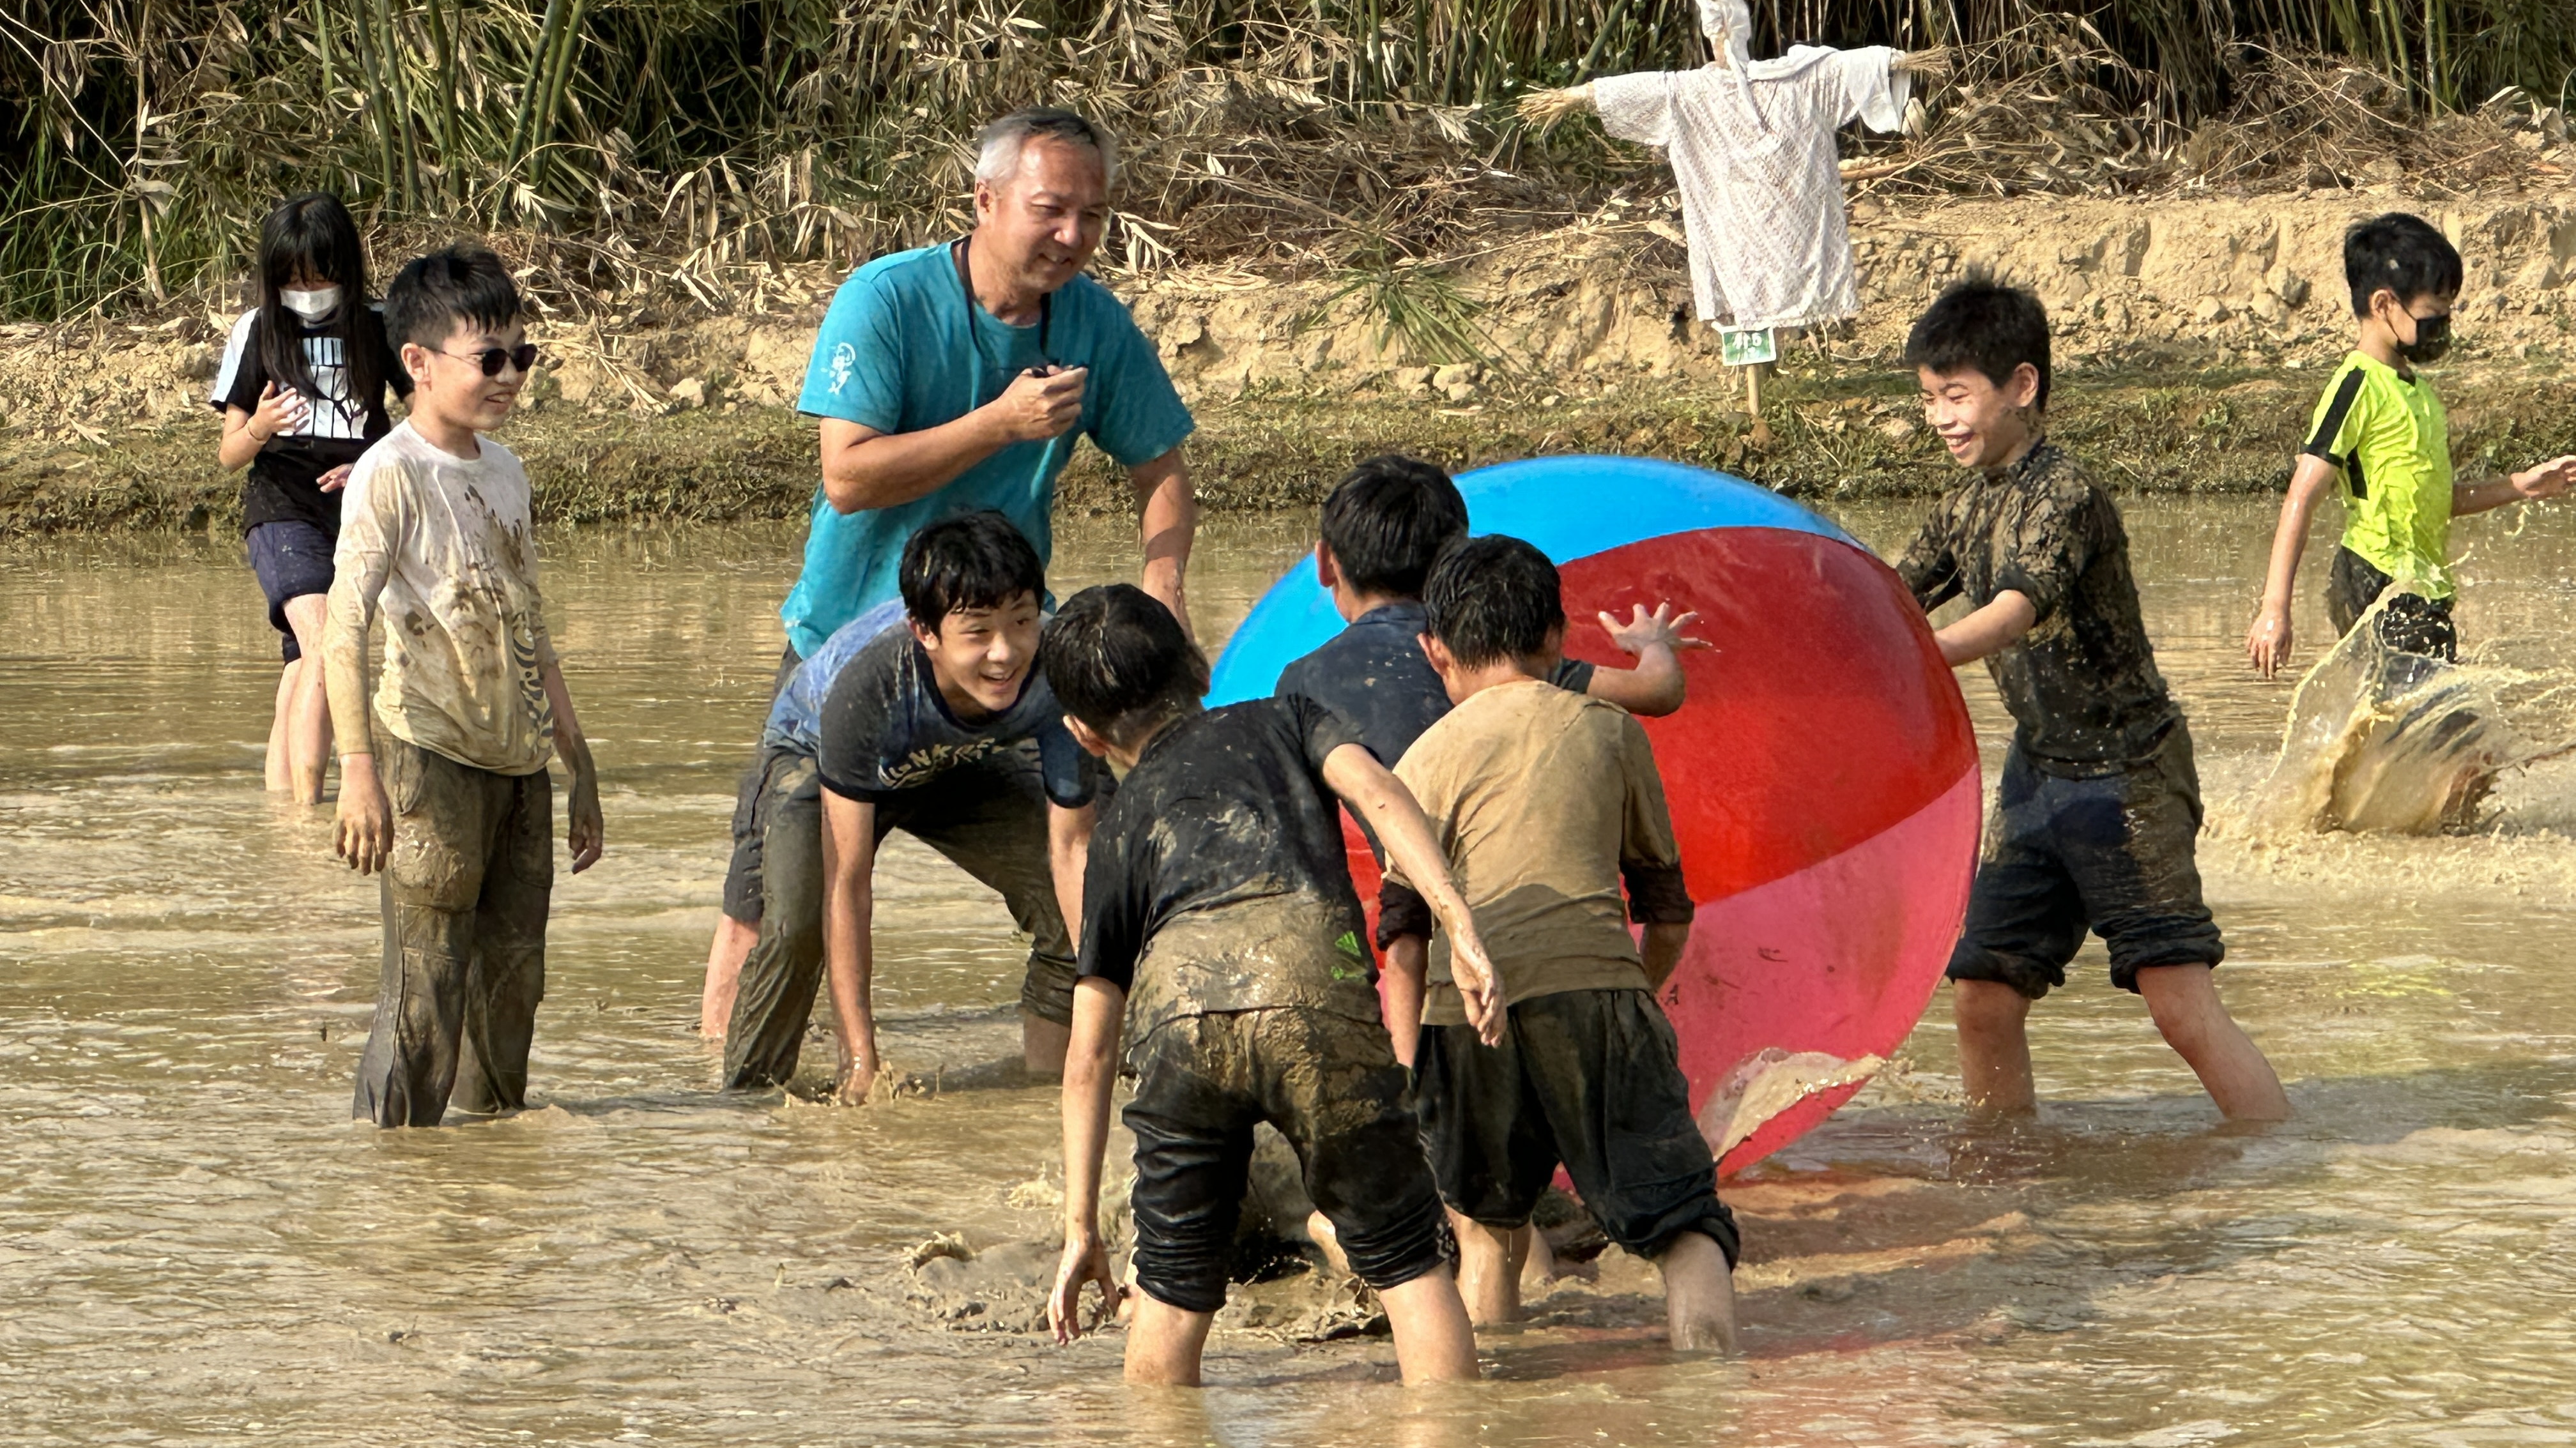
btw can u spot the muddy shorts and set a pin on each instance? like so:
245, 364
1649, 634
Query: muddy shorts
2112, 854
465, 897
291, 560
1331, 1085
1591, 1080
989, 818
2411, 624
742, 866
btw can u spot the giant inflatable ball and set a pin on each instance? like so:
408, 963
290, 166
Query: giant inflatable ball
1823, 777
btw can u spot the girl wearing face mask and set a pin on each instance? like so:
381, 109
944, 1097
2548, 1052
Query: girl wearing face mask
303, 391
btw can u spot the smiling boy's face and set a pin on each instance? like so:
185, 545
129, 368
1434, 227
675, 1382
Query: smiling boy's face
450, 378
1982, 424
980, 657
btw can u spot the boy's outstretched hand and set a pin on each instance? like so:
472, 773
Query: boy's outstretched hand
1645, 630
1085, 1260
2548, 480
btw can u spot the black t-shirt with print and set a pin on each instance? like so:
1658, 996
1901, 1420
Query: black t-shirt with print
1219, 866
886, 728
284, 484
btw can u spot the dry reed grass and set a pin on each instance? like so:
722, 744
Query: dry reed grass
688, 149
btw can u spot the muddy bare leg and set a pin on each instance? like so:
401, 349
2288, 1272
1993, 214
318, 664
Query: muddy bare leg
2230, 1066
733, 941
279, 768
1489, 1269
308, 717
1433, 1341
1699, 1295
1165, 1343
1994, 1047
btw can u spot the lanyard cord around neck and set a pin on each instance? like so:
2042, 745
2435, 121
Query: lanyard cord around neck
975, 334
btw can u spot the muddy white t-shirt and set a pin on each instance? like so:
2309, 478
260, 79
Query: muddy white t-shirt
441, 546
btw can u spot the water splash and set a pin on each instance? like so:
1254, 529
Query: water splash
2383, 741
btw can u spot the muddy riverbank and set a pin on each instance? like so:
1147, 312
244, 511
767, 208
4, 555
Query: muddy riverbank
2191, 334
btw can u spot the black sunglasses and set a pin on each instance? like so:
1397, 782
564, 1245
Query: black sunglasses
493, 359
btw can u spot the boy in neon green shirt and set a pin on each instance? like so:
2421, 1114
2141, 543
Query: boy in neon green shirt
2379, 435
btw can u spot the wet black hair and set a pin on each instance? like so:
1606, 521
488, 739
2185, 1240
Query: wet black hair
1983, 324
970, 560
1493, 598
1387, 520
1119, 662
459, 283
313, 233
2402, 253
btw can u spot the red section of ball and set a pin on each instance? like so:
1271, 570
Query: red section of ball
1823, 716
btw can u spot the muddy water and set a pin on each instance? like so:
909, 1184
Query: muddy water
195, 1246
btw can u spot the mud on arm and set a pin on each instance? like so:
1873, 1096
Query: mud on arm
1090, 1069
849, 865
1383, 802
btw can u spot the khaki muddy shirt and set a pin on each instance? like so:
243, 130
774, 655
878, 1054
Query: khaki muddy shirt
1544, 801
441, 547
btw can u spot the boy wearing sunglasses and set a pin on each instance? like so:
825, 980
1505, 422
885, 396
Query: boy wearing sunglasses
443, 782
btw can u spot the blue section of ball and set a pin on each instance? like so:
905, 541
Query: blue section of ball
1570, 507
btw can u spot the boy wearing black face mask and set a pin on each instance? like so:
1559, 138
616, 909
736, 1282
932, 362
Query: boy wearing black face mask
2379, 432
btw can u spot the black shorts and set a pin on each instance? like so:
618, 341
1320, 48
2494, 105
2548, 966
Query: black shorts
290, 559
742, 866
2112, 854
1587, 1078
1332, 1087
2411, 624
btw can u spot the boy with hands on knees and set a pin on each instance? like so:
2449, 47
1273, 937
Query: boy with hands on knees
1221, 936
443, 783
1545, 802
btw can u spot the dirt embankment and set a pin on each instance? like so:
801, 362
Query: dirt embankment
2190, 335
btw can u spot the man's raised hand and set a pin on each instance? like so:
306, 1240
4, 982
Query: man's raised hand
1040, 405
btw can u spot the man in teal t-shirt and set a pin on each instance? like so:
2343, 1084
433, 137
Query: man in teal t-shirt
933, 402
951, 378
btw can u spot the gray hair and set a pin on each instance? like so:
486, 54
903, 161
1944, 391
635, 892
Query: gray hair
998, 147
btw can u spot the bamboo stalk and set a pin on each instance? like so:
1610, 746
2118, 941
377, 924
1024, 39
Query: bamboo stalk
451, 150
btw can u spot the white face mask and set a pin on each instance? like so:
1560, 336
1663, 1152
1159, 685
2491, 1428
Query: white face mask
312, 306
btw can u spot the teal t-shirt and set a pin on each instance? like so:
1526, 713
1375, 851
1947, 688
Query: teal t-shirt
895, 354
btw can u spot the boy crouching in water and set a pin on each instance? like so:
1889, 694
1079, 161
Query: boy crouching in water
2094, 819
1543, 800
1219, 923
443, 783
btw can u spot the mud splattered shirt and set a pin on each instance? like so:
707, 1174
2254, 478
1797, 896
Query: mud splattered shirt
1217, 879
1544, 802
441, 547
2082, 685
886, 728
1373, 674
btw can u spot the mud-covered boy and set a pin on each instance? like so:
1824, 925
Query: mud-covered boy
1545, 803
1221, 938
443, 782
2380, 438
942, 728
2095, 817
